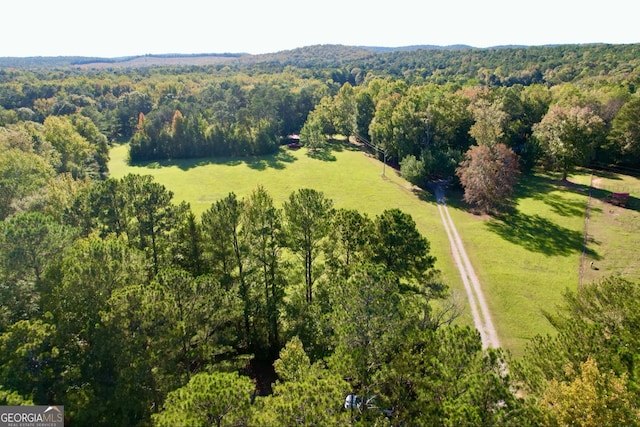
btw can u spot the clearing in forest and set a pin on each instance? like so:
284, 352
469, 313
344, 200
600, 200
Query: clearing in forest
525, 261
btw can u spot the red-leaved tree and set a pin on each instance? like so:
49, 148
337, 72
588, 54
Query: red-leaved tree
488, 175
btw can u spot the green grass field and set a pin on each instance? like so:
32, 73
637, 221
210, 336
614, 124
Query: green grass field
350, 178
613, 231
525, 261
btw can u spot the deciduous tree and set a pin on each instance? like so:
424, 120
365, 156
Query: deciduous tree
74, 150
312, 133
592, 399
345, 110
29, 244
21, 175
625, 133
489, 122
97, 383
413, 170
568, 136
488, 175
29, 361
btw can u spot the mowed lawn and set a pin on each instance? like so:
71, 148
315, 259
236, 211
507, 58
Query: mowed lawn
525, 261
345, 175
613, 231
528, 259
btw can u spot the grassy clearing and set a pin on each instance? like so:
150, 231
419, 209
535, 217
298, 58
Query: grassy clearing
528, 259
525, 261
613, 231
350, 178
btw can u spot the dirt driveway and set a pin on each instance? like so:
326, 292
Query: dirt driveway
477, 303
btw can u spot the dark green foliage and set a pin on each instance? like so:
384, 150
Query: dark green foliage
264, 234
597, 321
223, 120
216, 399
368, 321
399, 246
29, 244
350, 239
187, 245
133, 206
625, 134
247, 107
112, 339
595, 328
313, 400
28, 357
413, 170
128, 108
307, 214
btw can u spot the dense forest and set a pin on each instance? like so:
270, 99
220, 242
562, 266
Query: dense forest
117, 302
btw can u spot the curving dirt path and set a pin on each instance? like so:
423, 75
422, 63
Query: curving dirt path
477, 303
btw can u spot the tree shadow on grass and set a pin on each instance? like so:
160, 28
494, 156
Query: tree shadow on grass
537, 186
322, 153
277, 160
606, 196
538, 234
325, 153
542, 187
633, 203
605, 174
563, 206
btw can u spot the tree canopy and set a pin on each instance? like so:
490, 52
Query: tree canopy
120, 303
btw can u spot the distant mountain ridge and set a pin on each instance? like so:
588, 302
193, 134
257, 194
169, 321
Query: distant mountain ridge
384, 49
200, 58
508, 64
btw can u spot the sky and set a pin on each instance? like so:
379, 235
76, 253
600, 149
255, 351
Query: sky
114, 28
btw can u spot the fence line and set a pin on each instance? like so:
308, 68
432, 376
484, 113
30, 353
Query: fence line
585, 236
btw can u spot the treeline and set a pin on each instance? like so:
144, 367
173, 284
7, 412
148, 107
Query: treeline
241, 107
403, 107
230, 118
125, 308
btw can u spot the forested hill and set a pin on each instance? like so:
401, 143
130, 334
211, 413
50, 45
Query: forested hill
502, 65
498, 65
